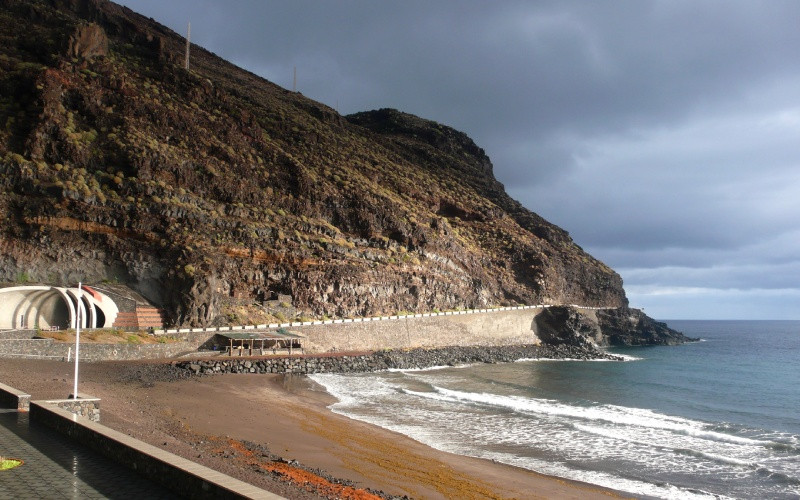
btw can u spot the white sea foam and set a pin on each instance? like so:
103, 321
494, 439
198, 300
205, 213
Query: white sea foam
559, 437
611, 414
344, 387
552, 360
608, 413
429, 368
621, 435
641, 488
627, 357
718, 458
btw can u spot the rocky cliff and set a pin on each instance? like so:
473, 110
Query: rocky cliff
213, 191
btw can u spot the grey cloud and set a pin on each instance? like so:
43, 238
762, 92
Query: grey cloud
715, 276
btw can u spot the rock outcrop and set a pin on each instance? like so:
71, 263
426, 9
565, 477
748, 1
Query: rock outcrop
566, 325
632, 327
88, 42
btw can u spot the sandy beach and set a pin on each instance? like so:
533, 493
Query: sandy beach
276, 431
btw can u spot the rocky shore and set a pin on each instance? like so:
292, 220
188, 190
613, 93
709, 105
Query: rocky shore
385, 360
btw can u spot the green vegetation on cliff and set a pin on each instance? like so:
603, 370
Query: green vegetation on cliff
212, 189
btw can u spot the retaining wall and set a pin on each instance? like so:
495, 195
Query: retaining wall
499, 327
17, 334
47, 348
33, 348
14, 398
502, 326
511, 325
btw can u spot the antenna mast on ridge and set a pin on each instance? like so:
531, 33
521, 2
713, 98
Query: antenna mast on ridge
188, 36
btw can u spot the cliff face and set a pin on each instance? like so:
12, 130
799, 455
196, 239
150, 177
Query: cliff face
212, 189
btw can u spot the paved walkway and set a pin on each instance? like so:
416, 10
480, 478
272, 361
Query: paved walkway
56, 468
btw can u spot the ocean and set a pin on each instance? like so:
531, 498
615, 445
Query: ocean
719, 418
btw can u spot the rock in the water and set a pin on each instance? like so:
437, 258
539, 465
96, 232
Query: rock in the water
629, 327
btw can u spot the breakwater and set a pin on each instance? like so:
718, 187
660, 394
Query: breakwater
389, 359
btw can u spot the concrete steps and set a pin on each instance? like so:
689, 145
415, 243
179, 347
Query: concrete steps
142, 317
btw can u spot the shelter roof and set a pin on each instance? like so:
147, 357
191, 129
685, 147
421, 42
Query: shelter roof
260, 335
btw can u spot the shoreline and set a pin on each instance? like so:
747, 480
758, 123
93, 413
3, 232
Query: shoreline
586, 490
277, 431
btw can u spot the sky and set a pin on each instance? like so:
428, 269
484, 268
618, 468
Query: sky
663, 135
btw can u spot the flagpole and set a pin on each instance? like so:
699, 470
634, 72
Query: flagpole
77, 341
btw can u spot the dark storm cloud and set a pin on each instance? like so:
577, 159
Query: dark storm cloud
661, 134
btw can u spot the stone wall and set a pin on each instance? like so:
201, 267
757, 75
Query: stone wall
47, 348
17, 334
32, 348
84, 406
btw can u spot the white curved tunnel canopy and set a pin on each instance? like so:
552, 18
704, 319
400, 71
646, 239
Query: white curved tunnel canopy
48, 306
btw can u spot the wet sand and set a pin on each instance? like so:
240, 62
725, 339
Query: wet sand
220, 421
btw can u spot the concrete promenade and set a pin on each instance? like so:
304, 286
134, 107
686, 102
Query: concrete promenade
56, 467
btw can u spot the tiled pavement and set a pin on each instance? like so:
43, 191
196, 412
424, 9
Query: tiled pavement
56, 468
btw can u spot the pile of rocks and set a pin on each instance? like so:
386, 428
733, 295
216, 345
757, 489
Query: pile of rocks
384, 360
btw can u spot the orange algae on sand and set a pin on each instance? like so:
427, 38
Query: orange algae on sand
396, 464
301, 477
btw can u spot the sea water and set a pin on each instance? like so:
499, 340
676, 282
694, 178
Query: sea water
715, 418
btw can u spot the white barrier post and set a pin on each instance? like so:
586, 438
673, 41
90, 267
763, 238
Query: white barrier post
77, 341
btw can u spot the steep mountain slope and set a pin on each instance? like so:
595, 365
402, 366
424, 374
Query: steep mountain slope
213, 188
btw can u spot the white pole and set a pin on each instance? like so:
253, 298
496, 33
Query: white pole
77, 341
